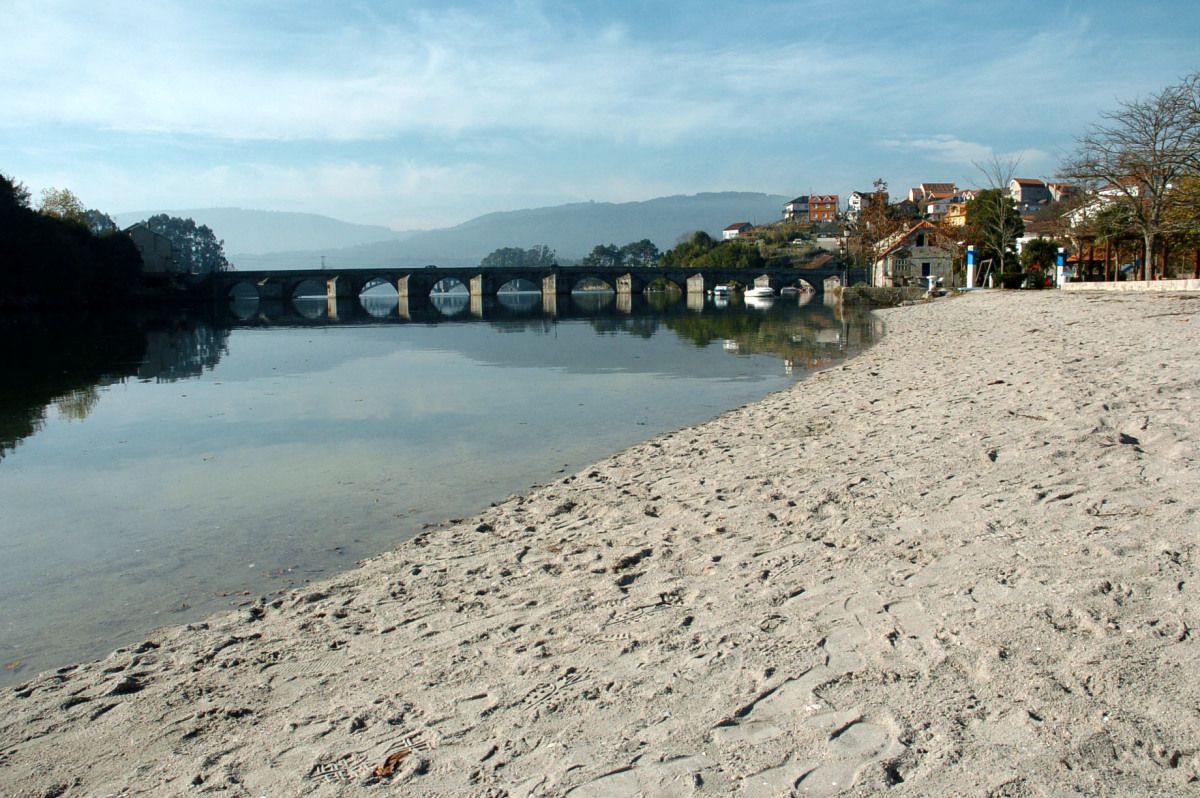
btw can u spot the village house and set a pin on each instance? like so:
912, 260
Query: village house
796, 210
823, 208
912, 253
736, 229
812, 209
158, 254
931, 191
1030, 195
861, 201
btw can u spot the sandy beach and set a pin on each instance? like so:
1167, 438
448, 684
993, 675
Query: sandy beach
963, 563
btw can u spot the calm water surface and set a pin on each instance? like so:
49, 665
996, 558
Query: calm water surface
153, 470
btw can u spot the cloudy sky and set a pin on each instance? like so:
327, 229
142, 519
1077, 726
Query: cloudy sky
418, 115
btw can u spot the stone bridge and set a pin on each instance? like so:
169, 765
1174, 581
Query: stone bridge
555, 280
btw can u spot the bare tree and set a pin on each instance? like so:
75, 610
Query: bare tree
1137, 156
993, 216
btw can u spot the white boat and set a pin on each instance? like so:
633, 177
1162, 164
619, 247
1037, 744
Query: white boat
722, 290
760, 291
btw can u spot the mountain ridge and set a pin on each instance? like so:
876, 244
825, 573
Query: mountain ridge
571, 230
248, 231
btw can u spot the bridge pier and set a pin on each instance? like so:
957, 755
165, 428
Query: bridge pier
552, 286
480, 285
629, 283
695, 285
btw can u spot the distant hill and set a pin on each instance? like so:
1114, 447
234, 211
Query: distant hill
571, 230
250, 232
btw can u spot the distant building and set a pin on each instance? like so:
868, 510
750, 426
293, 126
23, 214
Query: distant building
823, 208
862, 200
1060, 192
812, 209
910, 254
796, 210
1028, 194
930, 191
956, 212
158, 253
736, 229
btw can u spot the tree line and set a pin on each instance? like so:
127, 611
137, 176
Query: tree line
697, 249
63, 253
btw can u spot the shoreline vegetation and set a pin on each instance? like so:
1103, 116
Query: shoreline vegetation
962, 563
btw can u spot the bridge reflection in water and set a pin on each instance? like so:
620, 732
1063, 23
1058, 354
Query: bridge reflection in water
382, 309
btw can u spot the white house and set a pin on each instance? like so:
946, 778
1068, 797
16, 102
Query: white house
736, 229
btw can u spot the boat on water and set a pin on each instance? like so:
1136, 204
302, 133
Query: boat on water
760, 291
722, 290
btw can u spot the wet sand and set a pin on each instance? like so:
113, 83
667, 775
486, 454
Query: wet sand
963, 563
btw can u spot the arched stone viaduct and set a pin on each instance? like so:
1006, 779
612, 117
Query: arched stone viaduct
419, 282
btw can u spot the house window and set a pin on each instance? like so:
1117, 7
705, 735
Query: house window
925, 269
920, 239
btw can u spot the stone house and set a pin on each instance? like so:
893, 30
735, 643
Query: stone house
157, 251
912, 253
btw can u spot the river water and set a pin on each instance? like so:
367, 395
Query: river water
156, 468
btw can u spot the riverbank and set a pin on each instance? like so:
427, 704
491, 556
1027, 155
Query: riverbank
962, 563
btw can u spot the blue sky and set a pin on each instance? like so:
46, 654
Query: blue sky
418, 115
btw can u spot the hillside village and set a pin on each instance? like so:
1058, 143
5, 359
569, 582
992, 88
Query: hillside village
931, 232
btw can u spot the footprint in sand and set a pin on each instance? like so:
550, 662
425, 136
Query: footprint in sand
851, 748
851, 744
673, 777
914, 622
544, 692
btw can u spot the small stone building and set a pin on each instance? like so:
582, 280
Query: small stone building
158, 253
912, 253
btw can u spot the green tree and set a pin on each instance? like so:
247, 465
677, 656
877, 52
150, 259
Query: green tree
604, 256
688, 250
61, 203
994, 225
46, 259
13, 194
197, 249
1041, 254
640, 253
537, 257
99, 222
732, 255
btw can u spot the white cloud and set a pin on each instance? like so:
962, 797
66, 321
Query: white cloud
160, 68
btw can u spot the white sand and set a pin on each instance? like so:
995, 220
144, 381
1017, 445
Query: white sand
965, 563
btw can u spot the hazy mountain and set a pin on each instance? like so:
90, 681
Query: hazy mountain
571, 230
250, 232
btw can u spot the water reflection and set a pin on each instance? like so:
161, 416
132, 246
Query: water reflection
60, 361
520, 301
153, 462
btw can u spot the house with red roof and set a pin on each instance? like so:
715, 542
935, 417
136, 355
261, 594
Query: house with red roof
736, 229
1030, 195
931, 191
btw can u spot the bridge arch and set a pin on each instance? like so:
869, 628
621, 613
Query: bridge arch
378, 285
243, 291
308, 288
519, 285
